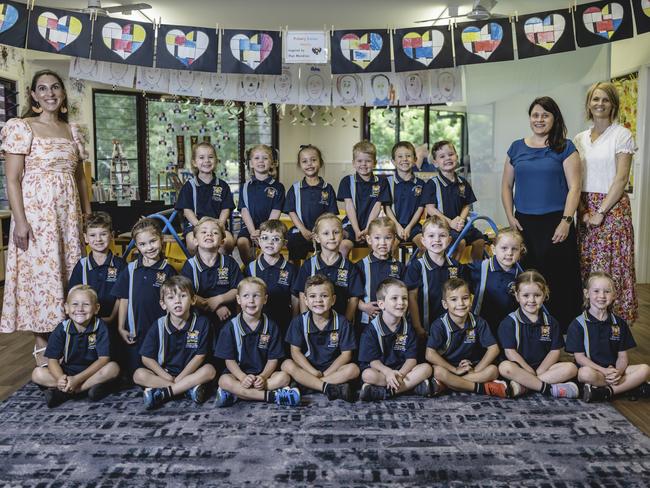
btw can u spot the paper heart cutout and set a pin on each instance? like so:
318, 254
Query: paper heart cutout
187, 48
484, 41
423, 48
123, 40
58, 32
603, 22
8, 17
361, 50
544, 32
251, 51
645, 6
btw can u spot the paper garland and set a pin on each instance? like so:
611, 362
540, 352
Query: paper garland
360, 51
123, 41
544, 33
603, 22
186, 48
251, 52
482, 42
422, 48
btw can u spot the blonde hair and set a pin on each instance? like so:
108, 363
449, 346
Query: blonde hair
594, 275
365, 147
532, 276
251, 280
436, 221
195, 147
326, 216
212, 220
260, 147
515, 234
84, 289
611, 92
380, 223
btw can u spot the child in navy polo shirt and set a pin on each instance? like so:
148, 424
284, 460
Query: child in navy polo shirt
532, 342
450, 196
600, 341
100, 268
261, 199
364, 194
329, 262
494, 277
462, 348
138, 290
175, 348
251, 346
388, 349
378, 265
213, 275
205, 195
77, 352
307, 200
322, 342
425, 275
407, 192
278, 274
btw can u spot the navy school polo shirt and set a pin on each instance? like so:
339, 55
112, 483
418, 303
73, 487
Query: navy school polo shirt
455, 343
100, 277
210, 281
373, 271
279, 279
427, 277
364, 195
407, 197
78, 349
261, 197
601, 341
252, 349
205, 199
310, 202
321, 346
392, 348
140, 285
532, 340
493, 299
450, 197
174, 348
344, 275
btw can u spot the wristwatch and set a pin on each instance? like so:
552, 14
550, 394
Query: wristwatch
568, 219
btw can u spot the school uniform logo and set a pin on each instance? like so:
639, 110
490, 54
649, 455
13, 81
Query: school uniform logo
545, 334
394, 271
283, 277
270, 192
417, 190
111, 274
216, 193
374, 191
160, 278
92, 341
616, 333
324, 197
342, 277
400, 342
192, 341
470, 336
453, 271
263, 343
222, 276
334, 340
461, 190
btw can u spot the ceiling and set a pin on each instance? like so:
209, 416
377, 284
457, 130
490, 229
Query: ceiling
306, 14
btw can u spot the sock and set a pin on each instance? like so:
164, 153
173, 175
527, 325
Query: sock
167, 393
389, 393
610, 391
479, 388
546, 389
325, 385
270, 397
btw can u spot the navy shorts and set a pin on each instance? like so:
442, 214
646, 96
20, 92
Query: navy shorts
298, 246
473, 235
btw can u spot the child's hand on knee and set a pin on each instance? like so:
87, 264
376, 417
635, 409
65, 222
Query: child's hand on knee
260, 383
394, 379
248, 381
62, 384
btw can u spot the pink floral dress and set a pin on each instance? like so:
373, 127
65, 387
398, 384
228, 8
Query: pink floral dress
36, 279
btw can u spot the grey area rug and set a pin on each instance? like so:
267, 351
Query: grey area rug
456, 440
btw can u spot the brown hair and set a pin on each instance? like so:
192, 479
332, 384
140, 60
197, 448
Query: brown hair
274, 225
317, 280
98, 219
195, 147
453, 284
611, 92
212, 220
29, 111
383, 287
532, 276
146, 224
177, 283
404, 144
556, 139
365, 147
310, 147
439, 145
436, 221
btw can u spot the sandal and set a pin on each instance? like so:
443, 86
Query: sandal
36, 353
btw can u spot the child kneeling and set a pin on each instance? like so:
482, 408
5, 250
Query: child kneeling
388, 349
251, 346
77, 352
174, 349
322, 342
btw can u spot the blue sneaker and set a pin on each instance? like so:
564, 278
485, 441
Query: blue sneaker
198, 394
287, 396
225, 398
153, 398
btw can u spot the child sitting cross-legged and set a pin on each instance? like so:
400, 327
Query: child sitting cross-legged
388, 349
77, 352
461, 346
251, 346
175, 348
322, 342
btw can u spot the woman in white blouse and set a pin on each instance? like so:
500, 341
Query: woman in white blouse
605, 234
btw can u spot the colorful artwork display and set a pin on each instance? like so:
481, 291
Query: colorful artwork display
13, 24
423, 48
186, 48
641, 15
479, 42
362, 51
123, 41
603, 22
249, 52
59, 31
544, 33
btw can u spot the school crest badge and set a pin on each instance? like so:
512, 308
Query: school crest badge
216, 193
263, 343
222, 276
342, 277
270, 192
461, 190
283, 277
192, 339
400, 342
111, 274
324, 197
394, 271
470, 336
160, 278
616, 333
334, 339
92, 341
417, 190
453, 271
374, 191
545, 334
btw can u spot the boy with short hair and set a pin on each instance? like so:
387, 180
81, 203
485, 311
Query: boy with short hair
77, 352
322, 342
175, 348
388, 349
100, 268
364, 194
213, 275
251, 346
461, 346
278, 274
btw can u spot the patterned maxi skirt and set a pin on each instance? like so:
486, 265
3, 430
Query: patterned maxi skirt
610, 247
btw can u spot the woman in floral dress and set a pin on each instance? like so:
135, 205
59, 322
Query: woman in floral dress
44, 182
605, 234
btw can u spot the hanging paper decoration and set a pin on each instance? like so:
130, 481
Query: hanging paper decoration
380, 89
123, 41
603, 22
13, 23
360, 51
218, 86
284, 88
185, 83
249, 52
152, 79
251, 89
186, 48
84, 69
116, 74
315, 85
544, 33
641, 15
59, 31
422, 48
446, 85
414, 88
483, 42
347, 90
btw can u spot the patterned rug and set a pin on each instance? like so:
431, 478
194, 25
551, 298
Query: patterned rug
456, 440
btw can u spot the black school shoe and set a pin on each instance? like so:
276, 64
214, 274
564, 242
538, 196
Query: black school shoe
100, 391
641, 391
55, 397
592, 393
423, 389
372, 393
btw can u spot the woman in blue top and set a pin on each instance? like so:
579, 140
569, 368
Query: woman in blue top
545, 169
